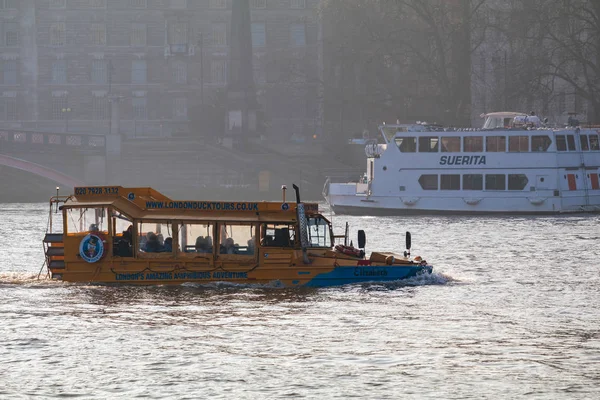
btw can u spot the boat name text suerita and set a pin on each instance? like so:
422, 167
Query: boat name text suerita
462, 160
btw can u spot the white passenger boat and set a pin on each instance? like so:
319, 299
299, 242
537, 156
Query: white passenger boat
512, 165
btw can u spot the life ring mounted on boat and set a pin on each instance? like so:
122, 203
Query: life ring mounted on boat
350, 250
92, 247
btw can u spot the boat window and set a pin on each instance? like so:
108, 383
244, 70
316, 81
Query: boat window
585, 145
196, 237
237, 238
451, 144
319, 232
87, 220
123, 234
571, 143
496, 123
428, 144
518, 144
450, 182
495, 144
517, 181
540, 143
155, 237
495, 182
277, 235
473, 144
406, 144
428, 182
594, 142
472, 182
561, 143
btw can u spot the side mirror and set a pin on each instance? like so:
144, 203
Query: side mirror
362, 239
408, 240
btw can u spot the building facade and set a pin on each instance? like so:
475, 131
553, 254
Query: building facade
66, 62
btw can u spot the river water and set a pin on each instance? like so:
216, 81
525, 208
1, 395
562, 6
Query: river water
512, 310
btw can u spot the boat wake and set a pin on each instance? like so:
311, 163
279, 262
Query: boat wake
26, 279
432, 279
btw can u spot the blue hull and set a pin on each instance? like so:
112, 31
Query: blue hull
357, 274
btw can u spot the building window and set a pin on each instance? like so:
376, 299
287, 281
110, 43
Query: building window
100, 107
428, 182
218, 71
428, 144
99, 72
495, 182
140, 109
473, 144
259, 34
138, 34
517, 181
495, 144
58, 103
258, 3
58, 34
58, 3
98, 34
472, 182
11, 34
179, 4
180, 72
10, 72
218, 3
97, 3
450, 182
138, 71
298, 34
180, 108
9, 4
518, 144
298, 4
178, 36
59, 72
11, 110
219, 34
137, 3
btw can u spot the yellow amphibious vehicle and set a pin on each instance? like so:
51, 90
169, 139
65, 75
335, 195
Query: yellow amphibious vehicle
111, 234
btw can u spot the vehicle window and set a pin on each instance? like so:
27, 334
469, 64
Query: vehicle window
561, 143
450, 182
472, 182
585, 145
518, 144
451, 144
495, 143
495, 182
406, 144
428, 144
319, 232
571, 143
428, 182
473, 144
517, 181
278, 235
196, 237
540, 143
155, 237
594, 143
237, 238
87, 220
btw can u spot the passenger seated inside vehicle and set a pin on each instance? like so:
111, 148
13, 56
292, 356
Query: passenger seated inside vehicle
202, 245
152, 244
228, 247
281, 238
168, 247
122, 245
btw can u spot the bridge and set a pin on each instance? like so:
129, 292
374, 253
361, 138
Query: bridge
181, 168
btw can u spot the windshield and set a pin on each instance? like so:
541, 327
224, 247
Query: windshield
319, 232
